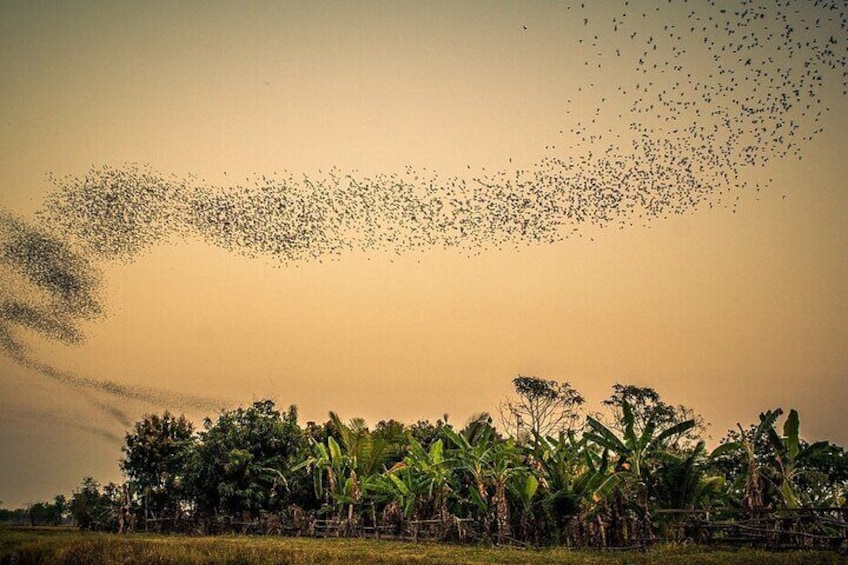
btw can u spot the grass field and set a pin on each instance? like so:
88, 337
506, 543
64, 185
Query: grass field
21, 546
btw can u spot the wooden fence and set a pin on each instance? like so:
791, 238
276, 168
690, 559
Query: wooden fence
789, 528
801, 528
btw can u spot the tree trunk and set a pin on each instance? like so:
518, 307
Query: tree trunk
374, 521
502, 513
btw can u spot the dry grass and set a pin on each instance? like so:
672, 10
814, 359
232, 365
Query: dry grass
52, 546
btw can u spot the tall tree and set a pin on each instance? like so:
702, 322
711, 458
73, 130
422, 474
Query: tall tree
47, 514
156, 456
645, 404
539, 408
244, 459
93, 509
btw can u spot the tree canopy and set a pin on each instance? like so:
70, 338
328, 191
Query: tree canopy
608, 480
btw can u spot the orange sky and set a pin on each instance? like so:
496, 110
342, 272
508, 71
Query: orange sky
731, 309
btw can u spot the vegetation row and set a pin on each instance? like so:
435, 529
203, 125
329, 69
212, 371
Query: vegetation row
636, 473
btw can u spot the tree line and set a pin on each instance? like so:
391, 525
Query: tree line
548, 474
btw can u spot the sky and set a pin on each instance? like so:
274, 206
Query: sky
391, 209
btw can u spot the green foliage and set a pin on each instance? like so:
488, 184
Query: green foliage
342, 468
767, 468
156, 456
596, 486
746, 472
638, 443
683, 480
46, 513
646, 405
791, 457
15, 516
824, 481
426, 432
92, 508
244, 460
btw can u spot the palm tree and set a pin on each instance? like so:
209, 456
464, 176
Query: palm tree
369, 452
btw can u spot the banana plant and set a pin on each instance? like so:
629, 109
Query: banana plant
471, 459
791, 456
401, 485
682, 482
344, 469
634, 448
569, 472
435, 470
752, 486
334, 477
504, 469
524, 491
368, 452
491, 465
